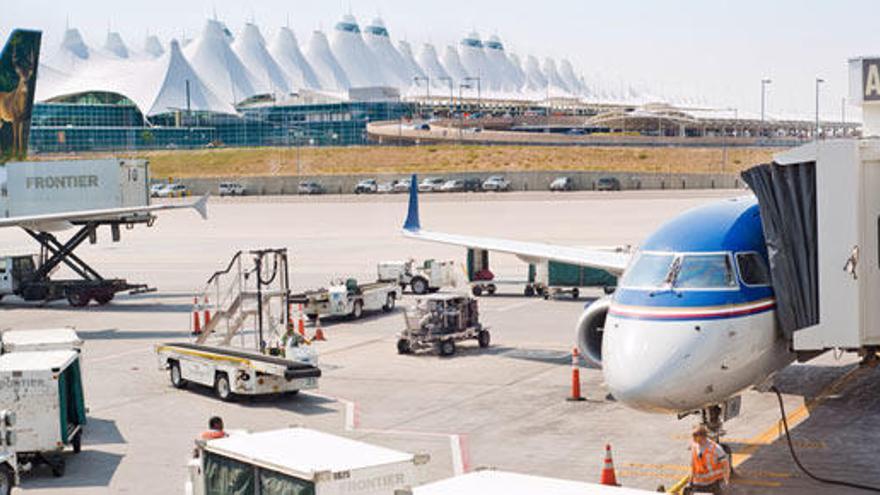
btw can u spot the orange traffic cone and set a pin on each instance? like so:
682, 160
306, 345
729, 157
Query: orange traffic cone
575, 377
207, 311
608, 476
197, 325
319, 333
301, 323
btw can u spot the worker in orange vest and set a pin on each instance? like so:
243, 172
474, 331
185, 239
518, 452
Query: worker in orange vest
710, 464
215, 429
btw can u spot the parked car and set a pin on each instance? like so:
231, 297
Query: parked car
431, 184
473, 184
176, 190
402, 185
608, 184
496, 183
310, 187
386, 187
453, 185
366, 186
423, 127
562, 184
155, 188
232, 189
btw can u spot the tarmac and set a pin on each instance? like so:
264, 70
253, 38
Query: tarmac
502, 407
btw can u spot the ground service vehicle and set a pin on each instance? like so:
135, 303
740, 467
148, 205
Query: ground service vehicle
496, 183
299, 461
439, 321
366, 186
173, 191
562, 184
155, 188
430, 276
43, 388
231, 189
247, 347
348, 298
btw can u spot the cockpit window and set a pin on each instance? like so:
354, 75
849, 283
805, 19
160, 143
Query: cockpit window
704, 271
649, 271
752, 269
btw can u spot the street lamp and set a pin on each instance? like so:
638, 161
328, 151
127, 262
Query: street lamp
451, 95
819, 81
764, 83
479, 101
427, 80
461, 86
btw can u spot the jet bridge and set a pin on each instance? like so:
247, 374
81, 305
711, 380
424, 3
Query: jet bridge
820, 208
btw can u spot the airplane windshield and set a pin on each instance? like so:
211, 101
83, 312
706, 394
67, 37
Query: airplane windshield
649, 271
705, 271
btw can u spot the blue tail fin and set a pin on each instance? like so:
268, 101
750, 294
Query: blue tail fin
18, 77
412, 215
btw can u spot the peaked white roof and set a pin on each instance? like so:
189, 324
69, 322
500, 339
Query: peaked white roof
114, 45
474, 60
413, 67
553, 78
571, 80
353, 55
452, 64
396, 73
285, 49
331, 75
218, 66
504, 76
535, 80
268, 77
153, 47
431, 64
518, 71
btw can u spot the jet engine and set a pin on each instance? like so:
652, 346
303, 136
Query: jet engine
590, 328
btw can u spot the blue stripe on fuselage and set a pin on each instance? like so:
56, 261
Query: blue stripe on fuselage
666, 298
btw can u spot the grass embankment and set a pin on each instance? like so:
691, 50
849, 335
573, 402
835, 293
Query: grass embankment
446, 158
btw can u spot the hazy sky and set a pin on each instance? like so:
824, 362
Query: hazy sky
718, 49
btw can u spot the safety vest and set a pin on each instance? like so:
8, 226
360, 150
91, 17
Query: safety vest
213, 434
708, 463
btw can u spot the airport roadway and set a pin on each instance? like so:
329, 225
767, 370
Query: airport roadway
502, 407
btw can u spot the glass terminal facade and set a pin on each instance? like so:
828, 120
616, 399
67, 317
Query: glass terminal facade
103, 122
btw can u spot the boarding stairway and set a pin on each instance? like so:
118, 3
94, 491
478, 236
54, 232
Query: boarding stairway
251, 303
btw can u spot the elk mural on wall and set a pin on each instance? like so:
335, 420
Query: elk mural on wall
17, 81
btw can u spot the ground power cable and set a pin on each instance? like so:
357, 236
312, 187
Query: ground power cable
797, 461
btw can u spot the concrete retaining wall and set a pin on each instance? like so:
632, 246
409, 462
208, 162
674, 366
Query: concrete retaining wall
520, 181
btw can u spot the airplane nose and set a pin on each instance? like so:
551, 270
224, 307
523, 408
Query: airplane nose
654, 365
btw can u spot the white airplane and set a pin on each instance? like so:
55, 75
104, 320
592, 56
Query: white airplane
691, 324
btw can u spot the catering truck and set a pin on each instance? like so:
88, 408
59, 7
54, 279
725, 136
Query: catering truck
29, 189
299, 461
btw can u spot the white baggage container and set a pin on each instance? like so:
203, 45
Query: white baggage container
33, 188
300, 460
40, 340
44, 389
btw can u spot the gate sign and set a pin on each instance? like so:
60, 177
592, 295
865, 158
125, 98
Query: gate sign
871, 79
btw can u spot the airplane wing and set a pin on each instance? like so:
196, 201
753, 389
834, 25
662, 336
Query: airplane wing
614, 261
52, 221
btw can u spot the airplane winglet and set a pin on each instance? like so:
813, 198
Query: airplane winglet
201, 206
412, 222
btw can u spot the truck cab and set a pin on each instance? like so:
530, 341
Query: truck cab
14, 270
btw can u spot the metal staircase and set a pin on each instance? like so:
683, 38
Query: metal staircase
249, 302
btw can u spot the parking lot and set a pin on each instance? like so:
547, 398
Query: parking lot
500, 407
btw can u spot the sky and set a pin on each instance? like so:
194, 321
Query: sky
717, 50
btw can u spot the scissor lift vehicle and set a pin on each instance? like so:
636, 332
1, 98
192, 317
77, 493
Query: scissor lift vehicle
438, 321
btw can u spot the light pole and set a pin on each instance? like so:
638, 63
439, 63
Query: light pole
427, 80
461, 86
819, 81
479, 101
764, 83
451, 95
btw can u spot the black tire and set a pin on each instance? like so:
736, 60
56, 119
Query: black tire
447, 348
7, 479
58, 466
491, 288
477, 291
529, 291
76, 442
174, 374
104, 297
404, 347
312, 317
419, 286
484, 338
77, 298
222, 387
575, 293
292, 392
546, 295
357, 311
390, 300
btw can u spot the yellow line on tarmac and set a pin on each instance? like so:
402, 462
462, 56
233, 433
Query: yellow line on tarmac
775, 431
